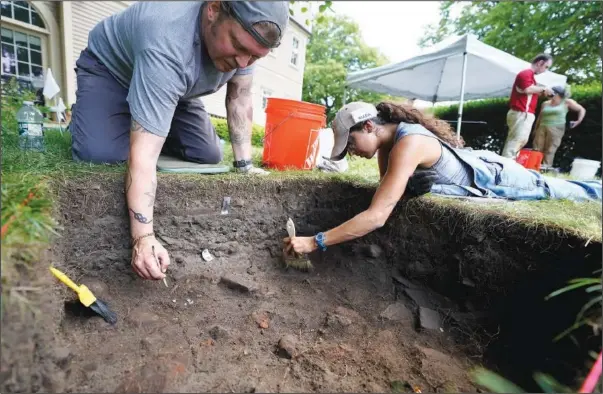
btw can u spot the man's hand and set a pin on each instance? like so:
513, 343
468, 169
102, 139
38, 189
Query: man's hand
150, 260
421, 182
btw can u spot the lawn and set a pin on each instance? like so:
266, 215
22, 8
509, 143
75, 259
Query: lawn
30, 168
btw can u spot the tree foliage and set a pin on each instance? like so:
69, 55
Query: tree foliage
569, 30
335, 49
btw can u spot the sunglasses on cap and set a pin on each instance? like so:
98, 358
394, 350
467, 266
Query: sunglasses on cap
230, 10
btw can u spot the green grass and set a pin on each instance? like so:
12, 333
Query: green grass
583, 219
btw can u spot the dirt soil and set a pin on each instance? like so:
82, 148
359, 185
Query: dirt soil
240, 322
411, 306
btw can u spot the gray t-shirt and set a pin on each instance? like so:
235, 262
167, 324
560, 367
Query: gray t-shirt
155, 50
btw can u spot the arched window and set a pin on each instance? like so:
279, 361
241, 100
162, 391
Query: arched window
22, 47
23, 12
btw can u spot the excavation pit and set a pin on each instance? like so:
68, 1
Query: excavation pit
421, 301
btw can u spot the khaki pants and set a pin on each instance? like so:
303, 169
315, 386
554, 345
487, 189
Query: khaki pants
546, 140
520, 126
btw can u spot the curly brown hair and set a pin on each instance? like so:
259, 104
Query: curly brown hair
391, 112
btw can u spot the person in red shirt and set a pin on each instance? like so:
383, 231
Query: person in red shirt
523, 102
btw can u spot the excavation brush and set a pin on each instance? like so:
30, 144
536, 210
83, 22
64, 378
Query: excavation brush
86, 297
295, 260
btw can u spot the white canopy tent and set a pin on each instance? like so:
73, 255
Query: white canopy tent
456, 69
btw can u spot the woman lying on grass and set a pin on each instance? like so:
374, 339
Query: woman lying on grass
407, 141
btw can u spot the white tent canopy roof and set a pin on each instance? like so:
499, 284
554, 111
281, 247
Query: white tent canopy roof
435, 74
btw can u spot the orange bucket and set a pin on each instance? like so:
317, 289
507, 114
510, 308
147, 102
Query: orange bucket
292, 129
530, 158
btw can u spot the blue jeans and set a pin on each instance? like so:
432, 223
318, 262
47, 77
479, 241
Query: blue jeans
498, 177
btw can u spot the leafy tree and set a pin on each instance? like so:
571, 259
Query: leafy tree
335, 49
304, 8
569, 30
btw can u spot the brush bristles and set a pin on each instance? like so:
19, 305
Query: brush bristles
299, 264
103, 310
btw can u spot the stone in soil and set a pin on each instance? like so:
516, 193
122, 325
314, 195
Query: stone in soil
235, 282
96, 286
342, 317
397, 312
429, 319
143, 318
287, 346
404, 282
426, 298
261, 318
62, 356
217, 333
373, 251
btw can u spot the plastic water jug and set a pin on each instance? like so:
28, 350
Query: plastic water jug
31, 127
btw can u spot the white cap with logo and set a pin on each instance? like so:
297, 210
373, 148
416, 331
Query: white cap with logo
347, 117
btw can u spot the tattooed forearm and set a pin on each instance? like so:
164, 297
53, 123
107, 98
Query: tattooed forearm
140, 217
238, 127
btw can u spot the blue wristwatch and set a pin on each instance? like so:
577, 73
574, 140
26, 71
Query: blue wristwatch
320, 239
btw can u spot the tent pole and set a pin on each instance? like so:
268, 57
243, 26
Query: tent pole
460, 117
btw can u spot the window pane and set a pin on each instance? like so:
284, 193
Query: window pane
35, 57
35, 43
21, 14
8, 59
6, 9
21, 4
23, 69
36, 71
7, 36
22, 55
36, 19
21, 39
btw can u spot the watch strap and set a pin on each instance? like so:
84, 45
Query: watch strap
320, 241
241, 163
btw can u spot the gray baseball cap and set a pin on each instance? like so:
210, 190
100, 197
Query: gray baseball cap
347, 117
248, 13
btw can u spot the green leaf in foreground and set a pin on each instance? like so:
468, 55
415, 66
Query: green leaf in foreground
549, 384
493, 382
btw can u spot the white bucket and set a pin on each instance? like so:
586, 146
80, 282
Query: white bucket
327, 141
583, 169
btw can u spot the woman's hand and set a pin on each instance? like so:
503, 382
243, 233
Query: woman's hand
300, 245
574, 124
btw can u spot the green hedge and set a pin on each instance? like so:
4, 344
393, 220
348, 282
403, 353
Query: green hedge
583, 141
257, 133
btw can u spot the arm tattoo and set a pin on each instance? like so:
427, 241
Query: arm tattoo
151, 194
128, 179
140, 217
238, 127
135, 127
